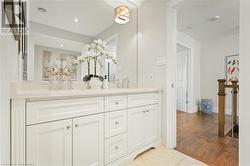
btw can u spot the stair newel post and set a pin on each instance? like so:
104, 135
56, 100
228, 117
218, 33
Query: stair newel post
234, 102
222, 101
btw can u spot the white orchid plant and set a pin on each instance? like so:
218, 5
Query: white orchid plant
96, 51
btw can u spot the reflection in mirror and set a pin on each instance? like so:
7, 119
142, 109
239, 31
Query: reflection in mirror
60, 32
110, 67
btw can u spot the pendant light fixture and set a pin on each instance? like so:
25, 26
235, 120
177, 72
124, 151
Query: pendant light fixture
122, 14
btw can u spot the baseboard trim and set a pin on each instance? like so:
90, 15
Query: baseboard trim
194, 110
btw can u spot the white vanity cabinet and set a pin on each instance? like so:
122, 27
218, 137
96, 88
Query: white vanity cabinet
152, 119
103, 129
115, 123
115, 148
142, 126
136, 126
50, 143
88, 139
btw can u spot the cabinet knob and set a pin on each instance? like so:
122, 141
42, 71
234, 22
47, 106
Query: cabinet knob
116, 147
68, 127
147, 111
117, 102
144, 111
76, 125
116, 123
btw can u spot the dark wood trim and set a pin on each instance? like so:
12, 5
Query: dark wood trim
18, 30
222, 100
9, 11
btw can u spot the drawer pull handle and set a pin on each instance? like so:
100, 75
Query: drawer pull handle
76, 125
116, 147
116, 123
68, 127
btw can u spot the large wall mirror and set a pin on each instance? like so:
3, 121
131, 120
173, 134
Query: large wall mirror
63, 30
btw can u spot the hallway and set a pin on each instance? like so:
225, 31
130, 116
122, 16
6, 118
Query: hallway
197, 137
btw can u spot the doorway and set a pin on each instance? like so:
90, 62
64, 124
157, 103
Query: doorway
182, 56
197, 133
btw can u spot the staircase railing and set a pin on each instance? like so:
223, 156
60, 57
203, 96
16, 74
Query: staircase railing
222, 103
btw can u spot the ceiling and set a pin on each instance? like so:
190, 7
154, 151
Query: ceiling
196, 18
93, 16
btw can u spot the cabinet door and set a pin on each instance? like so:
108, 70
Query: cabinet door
135, 128
151, 124
88, 140
50, 144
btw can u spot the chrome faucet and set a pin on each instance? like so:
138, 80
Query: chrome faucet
125, 82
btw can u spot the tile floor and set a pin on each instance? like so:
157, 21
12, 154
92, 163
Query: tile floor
164, 157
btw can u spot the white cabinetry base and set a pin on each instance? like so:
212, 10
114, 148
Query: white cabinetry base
124, 161
103, 129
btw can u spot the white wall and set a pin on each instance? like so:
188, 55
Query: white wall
59, 33
8, 73
152, 44
194, 77
244, 110
213, 54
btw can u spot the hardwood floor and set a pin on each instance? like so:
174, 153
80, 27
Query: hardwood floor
197, 137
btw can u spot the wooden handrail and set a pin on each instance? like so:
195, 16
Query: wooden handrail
232, 86
222, 94
222, 102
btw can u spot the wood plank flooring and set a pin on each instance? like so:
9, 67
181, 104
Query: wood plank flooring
197, 137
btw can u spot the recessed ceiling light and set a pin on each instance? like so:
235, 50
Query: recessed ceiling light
61, 45
76, 20
215, 18
42, 10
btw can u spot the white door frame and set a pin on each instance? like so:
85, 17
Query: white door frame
190, 76
182, 79
171, 74
244, 95
244, 146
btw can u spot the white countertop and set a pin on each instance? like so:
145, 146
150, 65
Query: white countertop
48, 94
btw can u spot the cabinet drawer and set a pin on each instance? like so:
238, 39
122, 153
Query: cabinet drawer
115, 123
44, 111
115, 148
143, 99
115, 103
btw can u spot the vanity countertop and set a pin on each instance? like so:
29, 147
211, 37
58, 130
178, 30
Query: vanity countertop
47, 94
